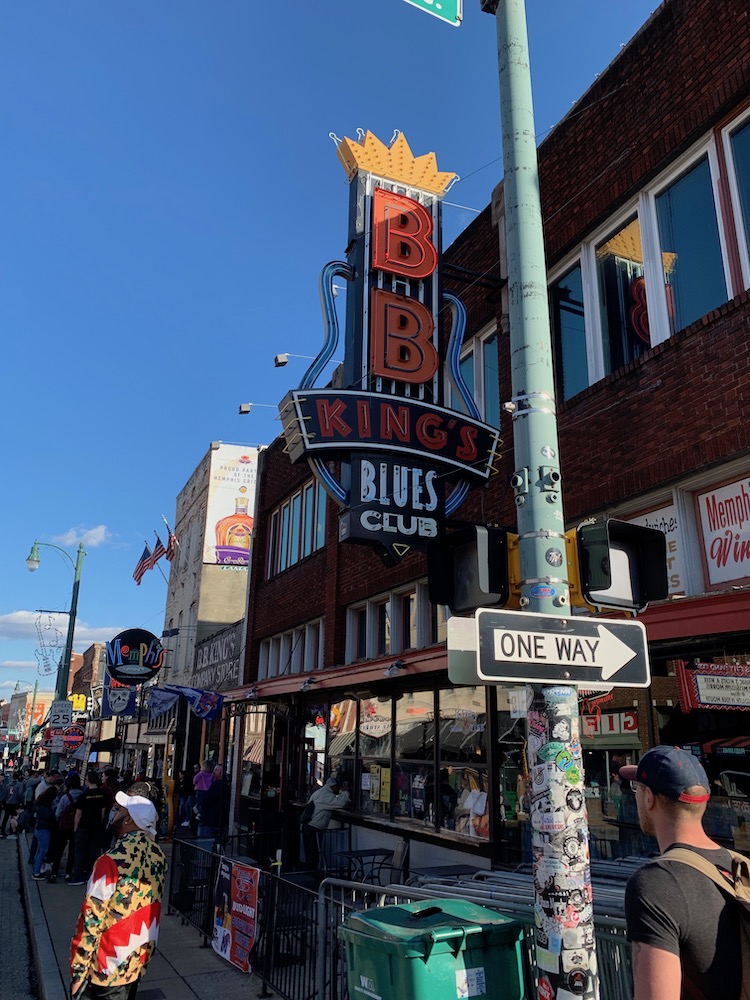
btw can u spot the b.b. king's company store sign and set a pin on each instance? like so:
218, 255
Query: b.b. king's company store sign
407, 460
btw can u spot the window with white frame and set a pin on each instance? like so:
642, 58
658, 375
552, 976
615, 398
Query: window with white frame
737, 154
393, 623
296, 528
295, 651
479, 368
688, 230
653, 270
569, 333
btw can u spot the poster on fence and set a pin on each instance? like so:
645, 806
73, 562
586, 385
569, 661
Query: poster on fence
235, 910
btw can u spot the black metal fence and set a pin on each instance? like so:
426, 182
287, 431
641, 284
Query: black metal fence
296, 950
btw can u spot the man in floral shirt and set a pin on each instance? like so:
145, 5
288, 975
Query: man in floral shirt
119, 921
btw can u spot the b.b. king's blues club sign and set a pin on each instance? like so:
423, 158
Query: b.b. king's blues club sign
407, 461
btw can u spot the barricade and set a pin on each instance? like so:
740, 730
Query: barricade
296, 951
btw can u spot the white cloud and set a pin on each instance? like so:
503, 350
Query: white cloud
23, 625
91, 537
17, 665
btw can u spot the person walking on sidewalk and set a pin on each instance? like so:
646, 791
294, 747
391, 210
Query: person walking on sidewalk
89, 827
11, 806
65, 814
45, 828
118, 925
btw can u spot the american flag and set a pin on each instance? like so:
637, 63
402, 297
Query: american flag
142, 565
158, 552
172, 543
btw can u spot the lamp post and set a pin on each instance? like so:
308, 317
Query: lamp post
63, 672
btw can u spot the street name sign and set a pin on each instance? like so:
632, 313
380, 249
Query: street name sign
450, 11
537, 648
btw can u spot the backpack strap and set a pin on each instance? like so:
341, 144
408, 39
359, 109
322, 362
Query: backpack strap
700, 864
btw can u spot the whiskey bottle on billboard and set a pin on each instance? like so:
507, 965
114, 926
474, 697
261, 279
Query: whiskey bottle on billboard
233, 535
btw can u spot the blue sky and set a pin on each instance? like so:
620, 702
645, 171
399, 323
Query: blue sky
168, 195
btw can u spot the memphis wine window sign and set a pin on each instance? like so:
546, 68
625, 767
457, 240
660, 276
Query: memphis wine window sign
408, 458
134, 656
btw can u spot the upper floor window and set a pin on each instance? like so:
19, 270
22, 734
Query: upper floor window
297, 528
479, 369
294, 652
690, 247
566, 304
737, 150
648, 274
393, 623
622, 296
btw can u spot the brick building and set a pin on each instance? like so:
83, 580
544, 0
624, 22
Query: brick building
646, 204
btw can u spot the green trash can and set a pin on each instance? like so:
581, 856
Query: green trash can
437, 949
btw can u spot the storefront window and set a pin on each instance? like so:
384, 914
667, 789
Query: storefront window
342, 739
462, 802
414, 773
689, 238
374, 778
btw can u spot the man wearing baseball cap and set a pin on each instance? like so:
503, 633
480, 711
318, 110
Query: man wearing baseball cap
685, 932
118, 925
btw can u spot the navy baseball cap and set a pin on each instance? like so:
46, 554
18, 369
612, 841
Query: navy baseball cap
671, 772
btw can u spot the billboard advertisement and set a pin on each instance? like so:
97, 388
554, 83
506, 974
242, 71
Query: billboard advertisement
231, 500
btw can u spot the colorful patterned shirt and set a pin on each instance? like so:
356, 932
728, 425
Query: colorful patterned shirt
119, 921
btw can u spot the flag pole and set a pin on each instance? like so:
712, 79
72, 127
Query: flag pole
157, 564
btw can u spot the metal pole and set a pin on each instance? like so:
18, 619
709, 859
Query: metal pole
562, 876
31, 721
63, 673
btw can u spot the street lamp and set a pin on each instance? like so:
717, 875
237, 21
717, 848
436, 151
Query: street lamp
63, 672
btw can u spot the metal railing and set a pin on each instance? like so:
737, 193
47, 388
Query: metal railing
296, 950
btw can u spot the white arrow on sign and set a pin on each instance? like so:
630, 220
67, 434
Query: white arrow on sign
606, 653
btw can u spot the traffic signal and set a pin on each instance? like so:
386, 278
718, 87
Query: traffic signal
468, 568
616, 564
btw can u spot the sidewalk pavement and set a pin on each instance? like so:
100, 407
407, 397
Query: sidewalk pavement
181, 968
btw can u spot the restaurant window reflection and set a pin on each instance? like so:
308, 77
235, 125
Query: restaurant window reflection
374, 775
342, 738
462, 799
414, 774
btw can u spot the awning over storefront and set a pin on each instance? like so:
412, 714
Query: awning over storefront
111, 745
737, 747
342, 744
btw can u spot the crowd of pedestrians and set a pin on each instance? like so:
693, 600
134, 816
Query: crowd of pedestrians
70, 817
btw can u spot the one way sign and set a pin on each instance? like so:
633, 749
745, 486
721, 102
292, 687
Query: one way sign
523, 646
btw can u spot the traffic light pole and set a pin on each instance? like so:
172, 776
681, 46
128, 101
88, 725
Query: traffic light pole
562, 875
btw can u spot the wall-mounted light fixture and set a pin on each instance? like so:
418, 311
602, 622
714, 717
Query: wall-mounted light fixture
283, 359
252, 693
307, 683
245, 408
395, 668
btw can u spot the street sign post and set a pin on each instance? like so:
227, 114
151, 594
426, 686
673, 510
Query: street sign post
450, 11
60, 714
537, 648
